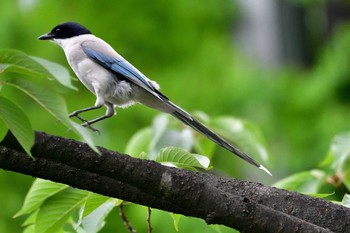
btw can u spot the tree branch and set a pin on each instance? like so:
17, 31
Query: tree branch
246, 206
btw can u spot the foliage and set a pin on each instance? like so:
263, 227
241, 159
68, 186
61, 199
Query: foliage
14, 61
191, 50
331, 179
53, 206
167, 131
56, 207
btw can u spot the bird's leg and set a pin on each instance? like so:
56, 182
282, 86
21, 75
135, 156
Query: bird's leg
77, 112
88, 125
109, 113
99, 103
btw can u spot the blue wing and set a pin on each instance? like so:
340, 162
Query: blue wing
122, 67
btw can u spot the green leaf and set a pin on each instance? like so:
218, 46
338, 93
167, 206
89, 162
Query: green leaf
17, 122
222, 229
55, 211
16, 61
346, 179
319, 195
305, 182
327, 161
57, 71
340, 148
243, 134
38, 193
160, 124
346, 200
205, 146
164, 135
139, 142
176, 219
93, 201
3, 130
96, 220
85, 135
181, 158
173, 138
29, 229
52, 103
31, 219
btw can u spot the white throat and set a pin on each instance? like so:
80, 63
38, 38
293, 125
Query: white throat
68, 42
61, 42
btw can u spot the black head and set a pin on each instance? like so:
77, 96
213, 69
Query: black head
65, 31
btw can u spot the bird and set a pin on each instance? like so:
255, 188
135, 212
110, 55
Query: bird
117, 83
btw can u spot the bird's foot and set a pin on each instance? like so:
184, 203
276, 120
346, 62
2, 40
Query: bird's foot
76, 114
73, 114
87, 124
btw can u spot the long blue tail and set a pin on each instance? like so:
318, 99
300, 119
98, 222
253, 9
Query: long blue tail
198, 126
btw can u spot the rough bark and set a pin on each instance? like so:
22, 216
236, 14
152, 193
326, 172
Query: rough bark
245, 206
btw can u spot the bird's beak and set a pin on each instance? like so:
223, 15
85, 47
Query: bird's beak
47, 36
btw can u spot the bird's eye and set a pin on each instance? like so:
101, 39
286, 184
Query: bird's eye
57, 30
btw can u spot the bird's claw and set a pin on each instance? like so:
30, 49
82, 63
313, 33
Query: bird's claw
87, 124
73, 114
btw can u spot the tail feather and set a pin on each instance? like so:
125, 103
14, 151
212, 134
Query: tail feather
198, 126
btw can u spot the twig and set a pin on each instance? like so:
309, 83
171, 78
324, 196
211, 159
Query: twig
149, 220
127, 224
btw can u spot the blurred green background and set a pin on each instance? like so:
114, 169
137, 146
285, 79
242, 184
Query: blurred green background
283, 65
